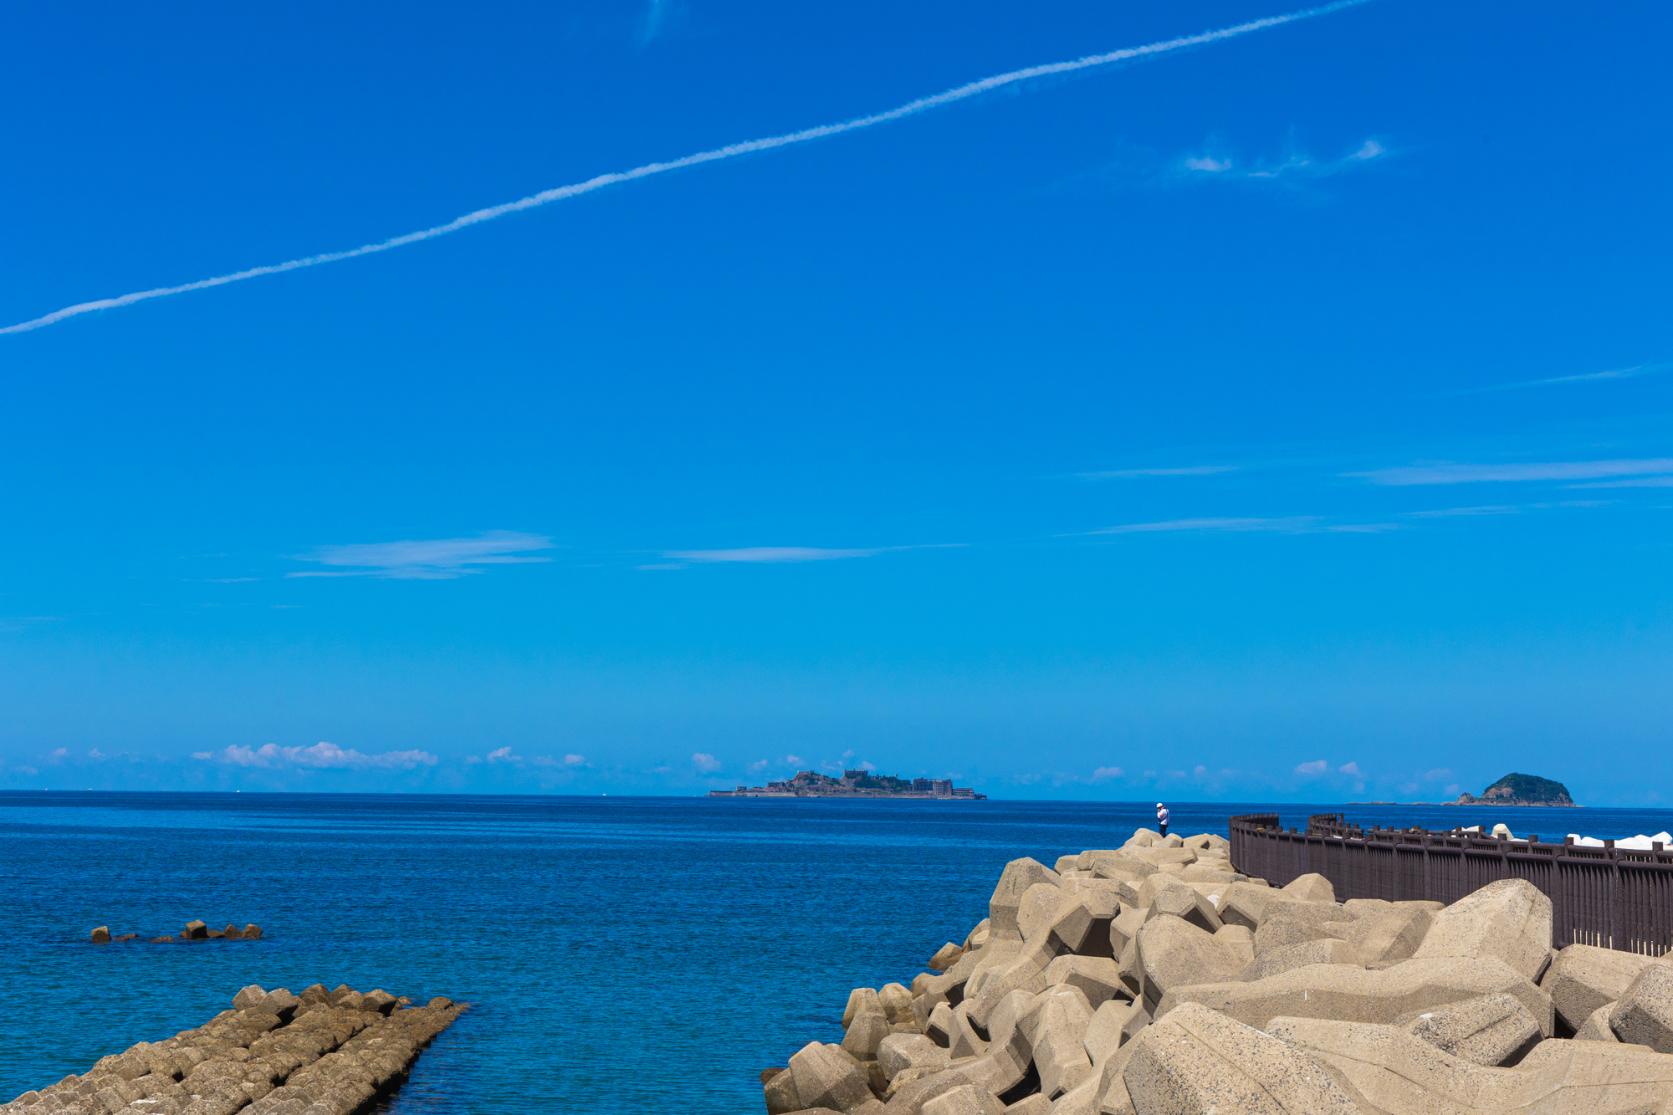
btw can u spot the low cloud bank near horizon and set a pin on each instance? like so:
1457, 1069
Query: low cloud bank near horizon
1116, 779
321, 756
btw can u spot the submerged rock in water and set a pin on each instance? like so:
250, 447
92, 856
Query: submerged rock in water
195, 930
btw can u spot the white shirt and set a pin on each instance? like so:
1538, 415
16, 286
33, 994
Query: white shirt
1162, 815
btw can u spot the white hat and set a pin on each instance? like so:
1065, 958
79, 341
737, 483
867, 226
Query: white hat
1159, 805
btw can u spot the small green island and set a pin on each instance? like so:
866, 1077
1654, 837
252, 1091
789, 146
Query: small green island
1520, 789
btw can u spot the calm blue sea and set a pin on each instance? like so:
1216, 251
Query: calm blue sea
623, 955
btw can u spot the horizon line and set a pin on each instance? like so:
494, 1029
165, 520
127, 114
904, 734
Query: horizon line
703, 796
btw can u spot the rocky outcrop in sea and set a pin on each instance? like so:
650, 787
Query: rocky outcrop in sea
274, 1053
1155, 979
194, 930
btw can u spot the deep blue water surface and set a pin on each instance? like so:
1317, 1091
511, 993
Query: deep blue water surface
623, 955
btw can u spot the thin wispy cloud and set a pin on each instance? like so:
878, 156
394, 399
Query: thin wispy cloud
1475, 512
1493, 509
1612, 375
321, 756
1158, 472
1222, 167
655, 20
15, 624
704, 762
780, 555
434, 559
718, 154
1514, 473
771, 555
1288, 524
1279, 524
1630, 482
1360, 528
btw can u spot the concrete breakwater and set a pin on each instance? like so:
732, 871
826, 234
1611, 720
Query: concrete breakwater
1156, 979
274, 1053
194, 930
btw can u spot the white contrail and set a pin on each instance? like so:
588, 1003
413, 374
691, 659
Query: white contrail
730, 151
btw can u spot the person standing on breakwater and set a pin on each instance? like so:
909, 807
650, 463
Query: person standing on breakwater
1162, 818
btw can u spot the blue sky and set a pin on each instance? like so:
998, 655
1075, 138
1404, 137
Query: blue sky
1285, 416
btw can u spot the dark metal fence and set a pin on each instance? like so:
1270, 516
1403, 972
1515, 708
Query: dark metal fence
1608, 896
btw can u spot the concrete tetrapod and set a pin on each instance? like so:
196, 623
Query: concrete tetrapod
1198, 1060
1509, 920
1583, 978
1644, 1014
1487, 1030
1390, 1070
274, 1054
1353, 994
1138, 981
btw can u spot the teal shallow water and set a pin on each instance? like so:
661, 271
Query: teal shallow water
623, 955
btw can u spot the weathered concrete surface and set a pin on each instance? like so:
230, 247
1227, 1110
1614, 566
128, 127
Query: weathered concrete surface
1509, 920
1173, 953
1287, 921
1353, 994
1390, 1070
945, 957
273, 1054
1644, 1013
1488, 1030
1197, 1060
1285, 958
1310, 888
965, 1100
1018, 876
1388, 932
826, 1076
1583, 978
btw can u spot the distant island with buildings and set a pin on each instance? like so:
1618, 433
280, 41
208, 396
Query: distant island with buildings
855, 784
